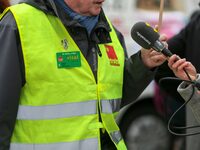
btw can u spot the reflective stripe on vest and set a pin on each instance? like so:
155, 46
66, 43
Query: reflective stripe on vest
116, 136
66, 110
57, 111
77, 145
49, 88
110, 106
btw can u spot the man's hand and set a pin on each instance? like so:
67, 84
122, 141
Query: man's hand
178, 65
151, 58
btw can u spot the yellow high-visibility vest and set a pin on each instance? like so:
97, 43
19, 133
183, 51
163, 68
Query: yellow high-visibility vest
60, 102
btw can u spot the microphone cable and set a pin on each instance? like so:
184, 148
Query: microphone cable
194, 84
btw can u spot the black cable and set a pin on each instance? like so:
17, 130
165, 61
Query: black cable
194, 84
187, 74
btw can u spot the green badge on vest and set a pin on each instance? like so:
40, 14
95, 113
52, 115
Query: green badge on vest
68, 59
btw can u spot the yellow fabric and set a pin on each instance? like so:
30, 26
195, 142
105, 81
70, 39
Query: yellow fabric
51, 131
41, 35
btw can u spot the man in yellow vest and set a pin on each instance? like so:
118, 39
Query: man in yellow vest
64, 75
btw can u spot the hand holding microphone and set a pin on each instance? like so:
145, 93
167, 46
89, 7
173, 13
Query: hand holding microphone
148, 38
179, 66
150, 57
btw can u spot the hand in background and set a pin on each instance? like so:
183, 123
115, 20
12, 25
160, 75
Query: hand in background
178, 65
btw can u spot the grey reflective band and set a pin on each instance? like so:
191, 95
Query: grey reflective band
77, 145
110, 106
116, 136
57, 111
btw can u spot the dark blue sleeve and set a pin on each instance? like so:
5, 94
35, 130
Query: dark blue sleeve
11, 80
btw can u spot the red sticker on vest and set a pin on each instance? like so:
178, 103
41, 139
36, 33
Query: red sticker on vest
112, 55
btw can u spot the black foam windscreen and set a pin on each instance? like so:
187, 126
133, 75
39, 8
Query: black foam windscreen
144, 35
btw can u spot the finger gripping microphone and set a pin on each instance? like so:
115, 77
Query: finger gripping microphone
147, 37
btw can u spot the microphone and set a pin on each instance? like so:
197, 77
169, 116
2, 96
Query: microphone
147, 37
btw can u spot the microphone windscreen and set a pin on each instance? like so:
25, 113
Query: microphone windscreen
144, 35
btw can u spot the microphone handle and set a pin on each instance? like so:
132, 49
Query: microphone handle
167, 52
160, 47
